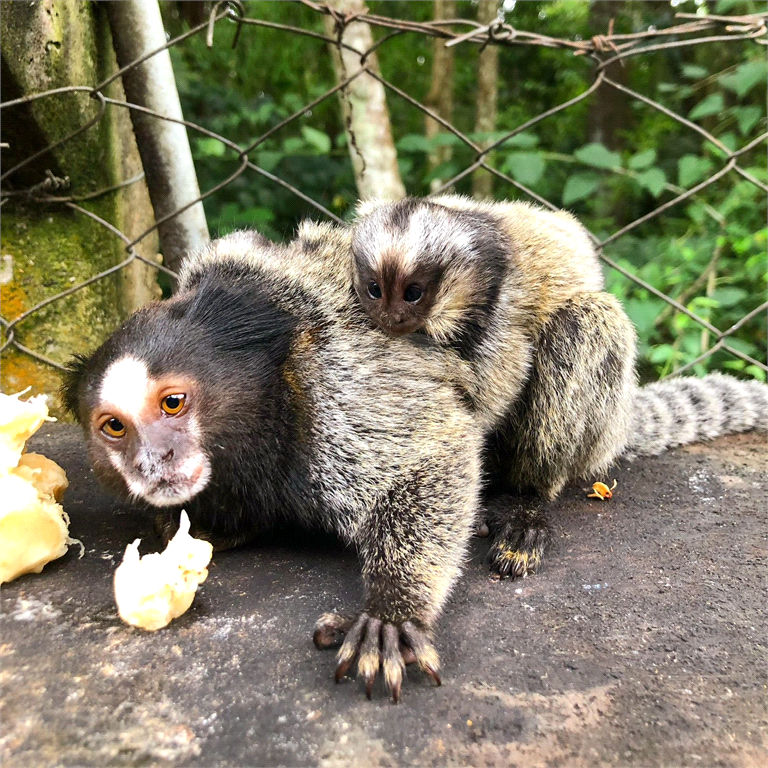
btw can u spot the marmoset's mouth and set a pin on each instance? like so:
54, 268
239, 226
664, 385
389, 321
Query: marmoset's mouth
174, 489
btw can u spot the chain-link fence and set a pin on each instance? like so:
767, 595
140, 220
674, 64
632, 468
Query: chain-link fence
51, 191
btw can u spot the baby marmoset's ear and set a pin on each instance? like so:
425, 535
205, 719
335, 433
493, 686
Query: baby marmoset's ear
364, 207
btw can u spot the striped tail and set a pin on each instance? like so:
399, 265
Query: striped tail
687, 410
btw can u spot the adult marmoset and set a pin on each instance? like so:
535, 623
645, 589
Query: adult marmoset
257, 394
515, 291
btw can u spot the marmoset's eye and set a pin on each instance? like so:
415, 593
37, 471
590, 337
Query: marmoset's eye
412, 294
172, 404
373, 290
113, 427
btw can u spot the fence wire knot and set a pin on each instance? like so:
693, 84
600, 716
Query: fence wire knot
237, 16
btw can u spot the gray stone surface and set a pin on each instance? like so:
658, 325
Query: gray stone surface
641, 642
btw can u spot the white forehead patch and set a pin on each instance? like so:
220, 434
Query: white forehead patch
125, 386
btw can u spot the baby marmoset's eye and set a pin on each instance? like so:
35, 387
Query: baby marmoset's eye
374, 291
412, 294
113, 427
172, 404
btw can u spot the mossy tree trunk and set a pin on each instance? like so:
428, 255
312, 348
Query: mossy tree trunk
48, 247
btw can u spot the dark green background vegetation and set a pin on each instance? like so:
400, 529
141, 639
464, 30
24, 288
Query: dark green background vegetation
709, 252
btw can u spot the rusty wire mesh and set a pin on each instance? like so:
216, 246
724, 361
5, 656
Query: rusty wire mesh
602, 49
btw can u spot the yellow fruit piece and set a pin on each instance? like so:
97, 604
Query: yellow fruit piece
33, 531
34, 528
153, 590
19, 420
45, 475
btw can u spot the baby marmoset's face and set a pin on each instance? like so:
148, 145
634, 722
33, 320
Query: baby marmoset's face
401, 253
396, 296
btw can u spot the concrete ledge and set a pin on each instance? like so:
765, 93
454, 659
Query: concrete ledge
641, 642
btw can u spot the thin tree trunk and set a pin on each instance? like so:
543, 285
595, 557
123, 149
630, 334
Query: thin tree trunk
364, 106
610, 110
440, 96
487, 96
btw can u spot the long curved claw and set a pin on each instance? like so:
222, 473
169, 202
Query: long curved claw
393, 660
426, 655
330, 629
369, 658
348, 650
514, 562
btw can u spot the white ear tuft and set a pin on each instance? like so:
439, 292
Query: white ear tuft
364, 207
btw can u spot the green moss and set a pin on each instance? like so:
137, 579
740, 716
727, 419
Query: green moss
52, 247
53, 250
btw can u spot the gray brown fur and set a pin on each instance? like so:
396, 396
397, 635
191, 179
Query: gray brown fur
375, 481
372, 439
502, 272
339, 426
679, 411
553, 372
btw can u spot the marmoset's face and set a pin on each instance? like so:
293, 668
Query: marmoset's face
398, 300
144, 434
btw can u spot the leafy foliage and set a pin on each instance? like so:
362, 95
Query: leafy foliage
707, 252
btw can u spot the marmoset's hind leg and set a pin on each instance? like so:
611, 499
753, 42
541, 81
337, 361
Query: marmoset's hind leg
572, 420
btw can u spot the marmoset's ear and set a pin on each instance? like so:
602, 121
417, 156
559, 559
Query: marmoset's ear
364, 207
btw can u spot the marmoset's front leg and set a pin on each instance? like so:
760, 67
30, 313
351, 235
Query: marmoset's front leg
411, 545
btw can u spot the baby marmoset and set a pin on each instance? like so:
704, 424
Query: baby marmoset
515, 292
478, 278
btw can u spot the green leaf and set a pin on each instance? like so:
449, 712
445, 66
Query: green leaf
730, 140
317, 139
662, 353
599, 156
747, 118
642, 160
758, 373
444, 171
644, 313
209, 148
728, 297
525, 167
694, 72
293, 145
522, 140
697, 212
445, 139
745, 78
724, 6
701, 303
268, 160
414, 142
742, 345
653, 180
711, 105
578, 187
405, 165
692, 169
